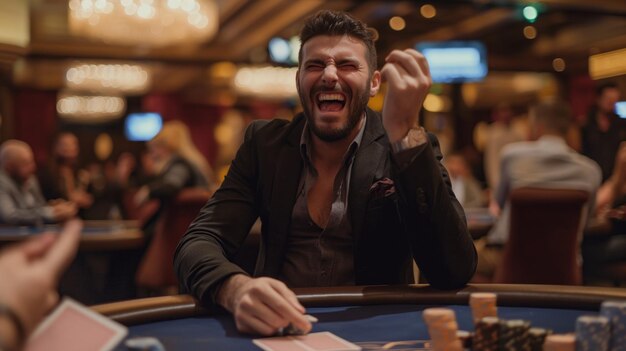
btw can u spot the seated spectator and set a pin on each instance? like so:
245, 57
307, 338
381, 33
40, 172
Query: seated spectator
21, 200
63, 179
466, 188
611, 205
29, 273
545, 162
178, 164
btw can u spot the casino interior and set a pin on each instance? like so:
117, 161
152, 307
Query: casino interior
125, 80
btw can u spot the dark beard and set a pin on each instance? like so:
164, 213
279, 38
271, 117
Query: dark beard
356, 111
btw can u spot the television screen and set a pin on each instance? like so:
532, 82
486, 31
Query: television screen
455, 61
142, 126
620, 109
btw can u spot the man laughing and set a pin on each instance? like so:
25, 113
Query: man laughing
346, 196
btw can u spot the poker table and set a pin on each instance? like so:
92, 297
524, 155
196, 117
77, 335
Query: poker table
97, 235
373, 317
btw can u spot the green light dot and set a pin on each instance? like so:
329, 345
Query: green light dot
530, 13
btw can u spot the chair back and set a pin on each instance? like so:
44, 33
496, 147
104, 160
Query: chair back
156, 269
543, 245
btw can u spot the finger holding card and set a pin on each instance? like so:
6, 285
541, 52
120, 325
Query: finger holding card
30, 272
262, 306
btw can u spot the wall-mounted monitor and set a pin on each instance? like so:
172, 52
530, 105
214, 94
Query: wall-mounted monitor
455, 61
142, 126
620, 109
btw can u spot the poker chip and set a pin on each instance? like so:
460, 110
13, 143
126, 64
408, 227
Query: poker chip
615, 312
560, 342
442, 328
483, 305
536, 338
466, 338
486, 334
514, 335
592, 333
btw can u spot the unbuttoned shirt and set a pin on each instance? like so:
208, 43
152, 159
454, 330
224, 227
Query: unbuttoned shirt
321, 256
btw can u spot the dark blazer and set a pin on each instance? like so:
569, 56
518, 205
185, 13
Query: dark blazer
397, 212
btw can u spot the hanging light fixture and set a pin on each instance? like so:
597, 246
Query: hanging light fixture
108, 77
144, 22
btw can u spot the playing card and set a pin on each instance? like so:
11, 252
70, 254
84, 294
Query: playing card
74, 327
323, 341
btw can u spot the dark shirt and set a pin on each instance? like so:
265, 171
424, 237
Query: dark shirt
321, 256
602, 146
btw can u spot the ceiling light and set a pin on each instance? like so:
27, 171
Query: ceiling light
144, 22
109, 77
90, 108
558, 64
266, 82
530, 32
428, 11
397, 23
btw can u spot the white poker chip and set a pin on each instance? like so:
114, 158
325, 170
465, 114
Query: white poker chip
144, 343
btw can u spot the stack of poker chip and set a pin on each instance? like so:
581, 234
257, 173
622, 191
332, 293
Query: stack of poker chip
486, 334
514, 335
483, 305
592, 333
466, 338
536, 338
442, 328
560, 342
615, 312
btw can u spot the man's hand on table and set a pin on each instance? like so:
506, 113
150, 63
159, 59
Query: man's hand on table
261, 305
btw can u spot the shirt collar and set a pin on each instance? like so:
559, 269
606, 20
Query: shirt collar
305, 142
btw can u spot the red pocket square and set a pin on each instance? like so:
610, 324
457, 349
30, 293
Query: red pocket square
383, 188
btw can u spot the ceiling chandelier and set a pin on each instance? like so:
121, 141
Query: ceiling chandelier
144, 22
108, 77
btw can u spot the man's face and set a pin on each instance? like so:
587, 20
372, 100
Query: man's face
67, 147
23, 165
608, 99
334, 85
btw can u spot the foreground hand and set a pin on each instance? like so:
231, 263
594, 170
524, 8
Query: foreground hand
30, 272
408, 81
262, 305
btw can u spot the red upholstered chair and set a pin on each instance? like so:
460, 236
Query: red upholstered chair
543, 245
156, 269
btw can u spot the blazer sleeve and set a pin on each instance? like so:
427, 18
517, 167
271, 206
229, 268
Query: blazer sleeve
202, 259
435, 221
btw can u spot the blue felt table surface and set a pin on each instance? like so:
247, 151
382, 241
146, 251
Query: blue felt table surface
368, 326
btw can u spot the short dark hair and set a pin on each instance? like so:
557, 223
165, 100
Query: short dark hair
327, 22
554, 115
602, 87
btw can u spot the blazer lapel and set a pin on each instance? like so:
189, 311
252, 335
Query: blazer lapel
368, 166
284, 191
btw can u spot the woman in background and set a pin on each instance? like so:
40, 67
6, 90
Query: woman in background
177, 164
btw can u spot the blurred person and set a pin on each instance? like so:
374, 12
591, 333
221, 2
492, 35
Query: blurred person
466, 188
63, 178
545, 162
499, 133
611, 206
176, 162
30, 272
346, 196
21, 200
604, 130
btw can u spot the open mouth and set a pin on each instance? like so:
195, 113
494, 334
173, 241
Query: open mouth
330, 101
